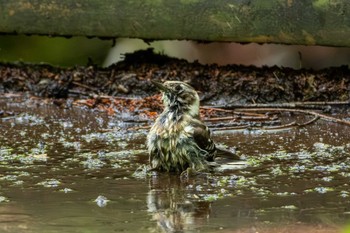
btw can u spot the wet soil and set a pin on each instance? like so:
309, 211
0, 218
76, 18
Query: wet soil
216, 84
72, 144
73, 170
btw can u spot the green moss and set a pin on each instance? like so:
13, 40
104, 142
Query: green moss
296, 22
190, 1
322, 4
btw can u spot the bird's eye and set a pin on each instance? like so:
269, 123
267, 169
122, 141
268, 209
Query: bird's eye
178, 88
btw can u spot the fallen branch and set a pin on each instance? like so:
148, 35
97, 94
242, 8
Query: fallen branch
309, 104
79, 92
285, 126
230, 128
321, 116
235, 118
84, 86
309, 122
232, 111
292, 124
140, 127
11, 95
115, 97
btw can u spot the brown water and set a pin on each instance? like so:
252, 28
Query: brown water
73, 171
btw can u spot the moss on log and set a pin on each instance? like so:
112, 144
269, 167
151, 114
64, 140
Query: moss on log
320, 22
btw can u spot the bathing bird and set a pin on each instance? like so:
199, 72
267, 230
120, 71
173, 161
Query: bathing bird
179, 140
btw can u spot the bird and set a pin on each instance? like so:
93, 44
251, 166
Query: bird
179, 140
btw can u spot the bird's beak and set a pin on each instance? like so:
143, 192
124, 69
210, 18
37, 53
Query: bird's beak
160, 86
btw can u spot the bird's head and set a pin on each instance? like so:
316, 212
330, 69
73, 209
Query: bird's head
179, 96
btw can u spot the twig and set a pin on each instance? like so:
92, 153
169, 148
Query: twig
323, 103
11, 95
232, 111
285, 126
321, 116
216, 109
235, 118
84, 86
309, 104
255, 118
78, 92
231, 128
140, 127
293, 124
309, 122
115, 97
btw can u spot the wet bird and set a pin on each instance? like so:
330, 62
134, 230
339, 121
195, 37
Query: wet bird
179, 140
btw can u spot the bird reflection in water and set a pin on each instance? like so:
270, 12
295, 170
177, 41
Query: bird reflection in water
174, 206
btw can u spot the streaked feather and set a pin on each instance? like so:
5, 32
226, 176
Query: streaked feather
179, 139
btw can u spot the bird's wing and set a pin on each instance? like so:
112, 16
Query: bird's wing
201, 135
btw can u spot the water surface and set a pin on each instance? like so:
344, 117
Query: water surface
72, 170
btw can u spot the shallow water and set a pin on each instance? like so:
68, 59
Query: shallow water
73, 171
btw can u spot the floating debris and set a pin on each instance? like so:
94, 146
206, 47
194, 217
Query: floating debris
3, 199
66, 190
101, 201
344, 194
50, 183
91, 163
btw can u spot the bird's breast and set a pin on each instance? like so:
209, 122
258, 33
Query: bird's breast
170, 134
168, 127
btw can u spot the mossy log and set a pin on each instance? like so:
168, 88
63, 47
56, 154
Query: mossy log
317, 22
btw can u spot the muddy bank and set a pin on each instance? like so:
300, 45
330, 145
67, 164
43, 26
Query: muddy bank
130, 78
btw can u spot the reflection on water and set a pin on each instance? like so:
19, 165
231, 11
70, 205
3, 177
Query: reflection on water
173, 210
178, 207
71, 171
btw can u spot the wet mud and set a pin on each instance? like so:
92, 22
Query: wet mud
74, 170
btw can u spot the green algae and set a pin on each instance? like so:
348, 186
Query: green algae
3, 199
50, 183
327, 161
